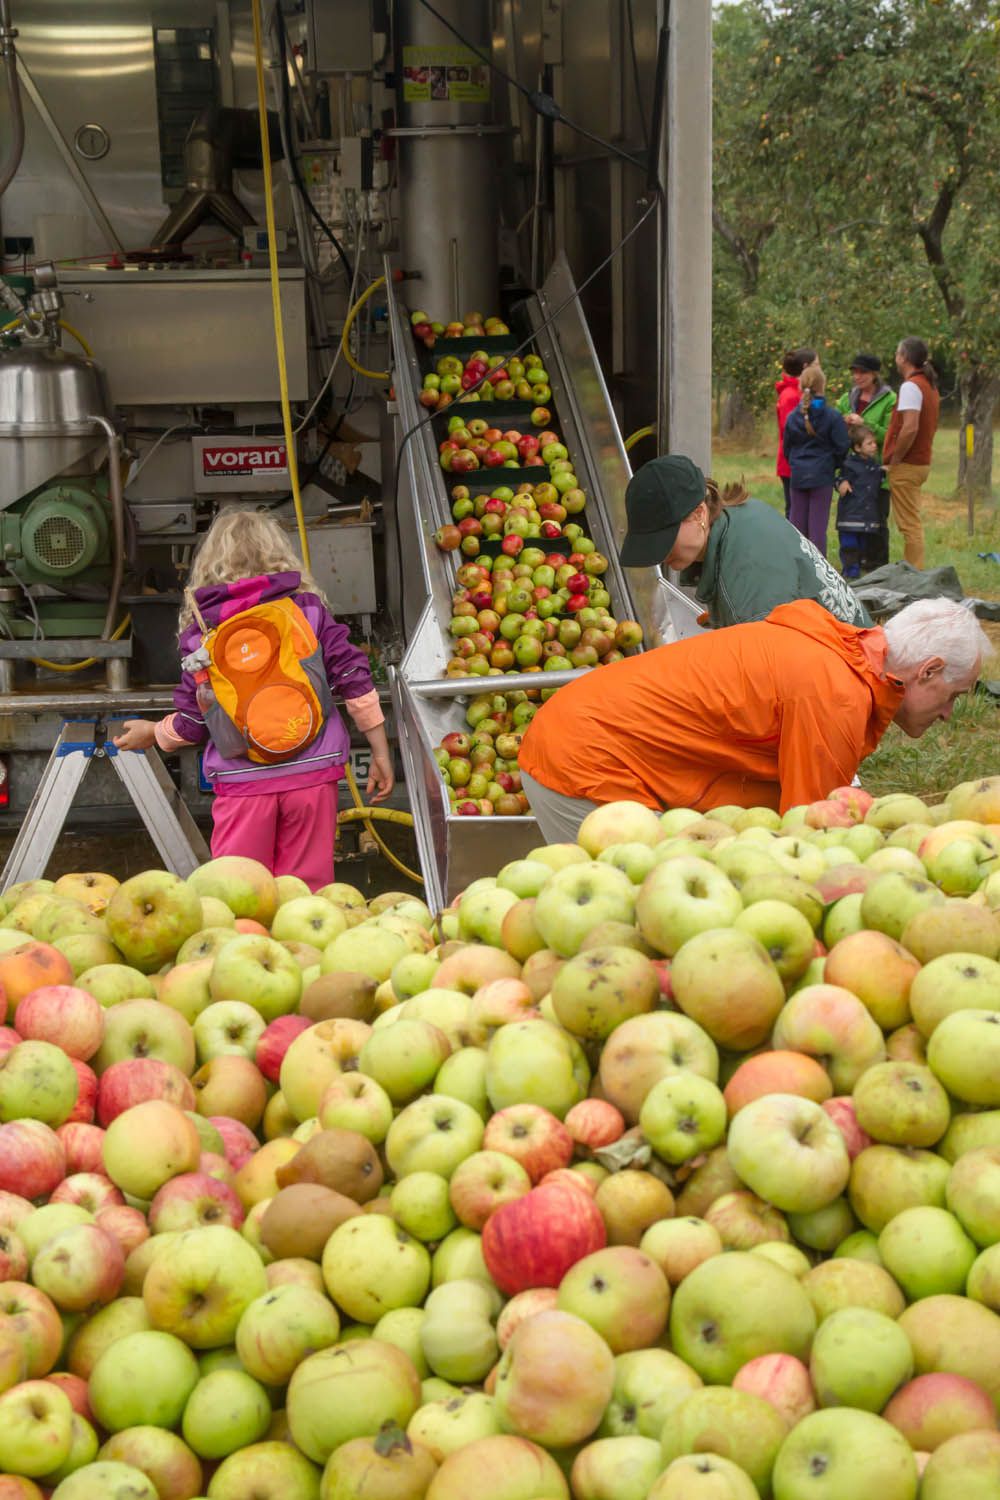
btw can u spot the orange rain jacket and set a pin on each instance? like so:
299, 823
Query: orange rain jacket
771, 714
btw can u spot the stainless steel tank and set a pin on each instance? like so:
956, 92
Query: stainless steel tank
448, 149
51, 403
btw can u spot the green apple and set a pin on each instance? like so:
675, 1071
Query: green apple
404, 1058
683, 1116
457, 1335
145, 1028
201, 1289
678, 1245
788, 1151
967, 1465
462, 1076
348, 1391
725, 981
142, 1379
598, 989
525, 877
226, 1410
964, 1054
554, 1381
227, 1027
622, 1467
420, 1205
953, 982
444, 1426
901, 1104
648, 1382
927, 1251
37, 1082
892, 899
434, 1133
268, 1471
277, 1330
107, 1480
842, 1454
110, 983
533, 1062
647, 1048
734, 1424
36, 1428
259, 971
371, 1265
681, 898
734, 1307
783, 932
620, 1292
308, 919
150, 916
859, 1358
575, 899
704, 1476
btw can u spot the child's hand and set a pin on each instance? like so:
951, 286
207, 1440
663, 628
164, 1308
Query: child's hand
380, 777
844, 488
137, 734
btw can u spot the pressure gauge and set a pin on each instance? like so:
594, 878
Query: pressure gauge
92, 142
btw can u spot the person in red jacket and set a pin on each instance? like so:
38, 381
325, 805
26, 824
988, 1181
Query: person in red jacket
771, 714
789, 392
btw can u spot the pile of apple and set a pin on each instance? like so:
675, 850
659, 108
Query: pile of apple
479, 766
474, 325
664, 1165
486, 377
473, 444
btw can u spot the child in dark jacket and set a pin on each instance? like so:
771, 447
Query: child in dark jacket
858, 518
282, 814
815, 442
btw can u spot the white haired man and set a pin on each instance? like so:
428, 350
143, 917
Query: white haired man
771, 714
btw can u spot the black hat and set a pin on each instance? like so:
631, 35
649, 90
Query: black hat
866, 362
657, 500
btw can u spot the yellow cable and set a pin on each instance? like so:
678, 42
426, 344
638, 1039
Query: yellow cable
387, 814
88, 351
640, 432
346, 335
272, 257
78, 666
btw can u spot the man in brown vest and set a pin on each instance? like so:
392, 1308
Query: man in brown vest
908, 443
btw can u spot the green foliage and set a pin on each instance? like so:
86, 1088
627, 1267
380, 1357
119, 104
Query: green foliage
856, 158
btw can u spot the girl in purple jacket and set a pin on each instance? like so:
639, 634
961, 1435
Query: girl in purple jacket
283, 815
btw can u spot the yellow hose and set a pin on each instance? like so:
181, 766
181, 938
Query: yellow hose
640, 432
78, 666
75, 332
272, 257
367, 815
346, 335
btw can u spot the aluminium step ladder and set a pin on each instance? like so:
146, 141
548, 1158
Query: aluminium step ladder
168, 821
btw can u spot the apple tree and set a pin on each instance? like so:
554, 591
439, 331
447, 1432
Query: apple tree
879, 125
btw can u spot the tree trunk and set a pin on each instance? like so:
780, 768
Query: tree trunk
980, 392
736, 420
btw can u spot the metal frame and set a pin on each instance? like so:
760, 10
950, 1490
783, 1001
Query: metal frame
454, 850
167, 820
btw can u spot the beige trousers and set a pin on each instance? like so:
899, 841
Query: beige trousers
905, 481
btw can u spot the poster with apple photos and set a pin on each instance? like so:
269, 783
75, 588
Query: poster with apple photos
449, 75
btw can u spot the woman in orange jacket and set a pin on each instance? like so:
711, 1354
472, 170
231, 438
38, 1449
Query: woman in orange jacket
770, 714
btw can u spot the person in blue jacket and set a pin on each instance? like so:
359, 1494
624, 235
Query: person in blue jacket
859, 520
816, 442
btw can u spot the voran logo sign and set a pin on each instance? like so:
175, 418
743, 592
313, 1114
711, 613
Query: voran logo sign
244, 460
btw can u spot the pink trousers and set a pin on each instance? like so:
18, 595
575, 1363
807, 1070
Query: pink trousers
291, 833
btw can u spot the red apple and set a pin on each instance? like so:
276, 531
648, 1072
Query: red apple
86, 1095
32, 1159
532, 1136
82, 1144
91, 1190
238, 1140
594, 1123
194, 1199
127, 1225
842, 1113
136, 1079
533, 1241
275, 1040
65, 1015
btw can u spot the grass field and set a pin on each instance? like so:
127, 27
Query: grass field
969, 745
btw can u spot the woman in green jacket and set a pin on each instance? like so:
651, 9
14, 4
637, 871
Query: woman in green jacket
870, 401
749, 558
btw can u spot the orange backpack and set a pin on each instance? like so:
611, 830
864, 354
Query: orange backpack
261, 681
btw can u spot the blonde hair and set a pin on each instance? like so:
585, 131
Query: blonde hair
243, 544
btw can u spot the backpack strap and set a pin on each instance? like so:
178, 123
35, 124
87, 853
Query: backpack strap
193, 607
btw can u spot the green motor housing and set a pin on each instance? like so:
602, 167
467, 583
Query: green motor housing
59, 535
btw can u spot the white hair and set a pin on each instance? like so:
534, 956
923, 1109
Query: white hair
936, 627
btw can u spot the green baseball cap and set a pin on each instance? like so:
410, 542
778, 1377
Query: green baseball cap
657, 500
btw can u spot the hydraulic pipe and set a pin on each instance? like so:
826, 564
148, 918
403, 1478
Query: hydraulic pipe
7, 35
117, 498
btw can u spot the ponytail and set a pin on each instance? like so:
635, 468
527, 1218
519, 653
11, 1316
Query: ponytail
915, 352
